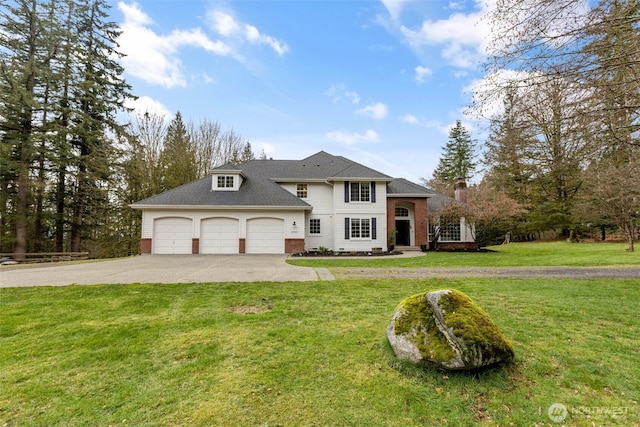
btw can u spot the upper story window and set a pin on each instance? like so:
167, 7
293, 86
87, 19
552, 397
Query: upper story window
225, 181
360, 192
301, 191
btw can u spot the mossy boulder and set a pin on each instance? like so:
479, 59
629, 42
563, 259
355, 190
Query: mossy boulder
446, 329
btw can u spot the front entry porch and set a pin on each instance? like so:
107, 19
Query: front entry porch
407, 223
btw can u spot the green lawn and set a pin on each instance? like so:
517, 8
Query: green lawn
511, 255
189, 354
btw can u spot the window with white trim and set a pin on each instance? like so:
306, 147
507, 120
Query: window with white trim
360, 191
360, 228
301, 191
451, 232
225, 181
314, 226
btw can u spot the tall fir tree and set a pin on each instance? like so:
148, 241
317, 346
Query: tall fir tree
61, 91
178, 157
458, 159
21, 69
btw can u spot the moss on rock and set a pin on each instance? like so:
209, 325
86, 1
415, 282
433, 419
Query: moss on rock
417, 316
447, 329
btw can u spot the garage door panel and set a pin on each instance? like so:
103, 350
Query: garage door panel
265, 236
172, 236
219, 236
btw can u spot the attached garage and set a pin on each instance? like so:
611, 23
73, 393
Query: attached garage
219, 236
265, 236
172, 235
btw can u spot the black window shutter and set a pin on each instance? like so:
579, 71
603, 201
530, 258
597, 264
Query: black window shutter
347, 230
373, 191
346, 191
374, 229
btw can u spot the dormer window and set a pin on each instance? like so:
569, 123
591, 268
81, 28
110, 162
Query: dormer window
225, 181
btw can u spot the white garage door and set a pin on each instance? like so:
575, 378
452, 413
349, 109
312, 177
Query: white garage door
265, 236
219, 236
172, 236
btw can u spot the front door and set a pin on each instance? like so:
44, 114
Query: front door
403, 237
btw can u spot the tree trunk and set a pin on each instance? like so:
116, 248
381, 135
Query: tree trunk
628, 233
22, 202
60, 193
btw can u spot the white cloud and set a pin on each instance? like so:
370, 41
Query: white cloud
254, 36
227, 25
376, 111
340, 91
488, 100
154, 58
223, 23
146, 104
463, 37
351, 138
353, 97
422, 73
394, 7
409, 118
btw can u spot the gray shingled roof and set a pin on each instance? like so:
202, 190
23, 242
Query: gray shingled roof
260, 187
321, 165
403, 187
254, 191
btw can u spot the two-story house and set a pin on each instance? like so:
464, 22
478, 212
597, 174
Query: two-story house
286, 206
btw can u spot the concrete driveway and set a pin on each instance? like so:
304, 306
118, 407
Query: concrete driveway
161, 269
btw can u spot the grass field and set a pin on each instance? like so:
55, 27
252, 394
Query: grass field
511, 255
309, 354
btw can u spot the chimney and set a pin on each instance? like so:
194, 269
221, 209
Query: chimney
460, 188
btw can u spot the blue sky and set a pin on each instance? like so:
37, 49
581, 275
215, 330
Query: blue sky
379, 82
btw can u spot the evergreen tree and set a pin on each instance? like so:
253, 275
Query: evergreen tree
247, 153
21, 68
178, 156
61, 89
459, 156
504, 156
100, 94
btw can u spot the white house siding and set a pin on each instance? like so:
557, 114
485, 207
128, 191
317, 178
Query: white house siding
325, 239
288, 218
320, 196
369, 210
466, 231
